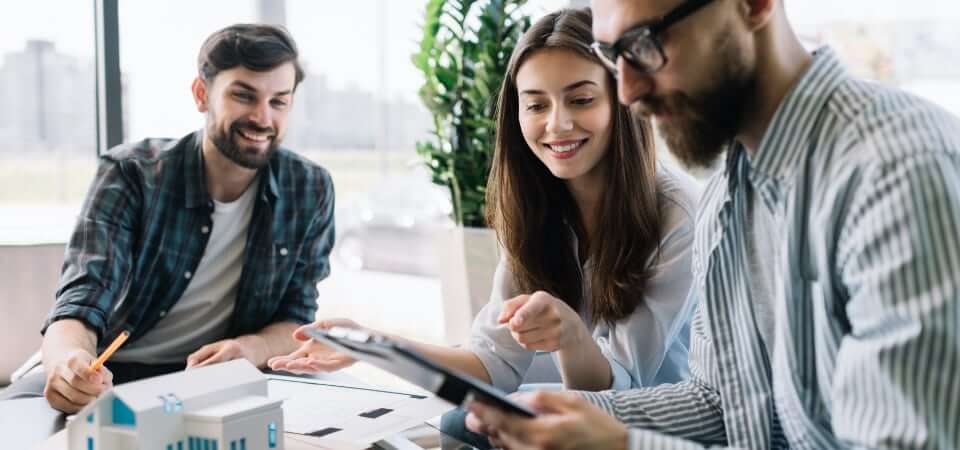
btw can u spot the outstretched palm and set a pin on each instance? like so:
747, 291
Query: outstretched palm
312, 356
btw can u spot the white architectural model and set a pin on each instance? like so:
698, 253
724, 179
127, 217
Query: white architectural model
220, 407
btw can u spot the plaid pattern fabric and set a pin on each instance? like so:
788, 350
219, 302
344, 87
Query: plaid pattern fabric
140, 236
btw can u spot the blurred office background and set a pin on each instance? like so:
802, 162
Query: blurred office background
357, 114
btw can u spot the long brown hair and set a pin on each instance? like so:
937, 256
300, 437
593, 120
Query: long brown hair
529, 207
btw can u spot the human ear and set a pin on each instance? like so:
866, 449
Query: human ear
199, 89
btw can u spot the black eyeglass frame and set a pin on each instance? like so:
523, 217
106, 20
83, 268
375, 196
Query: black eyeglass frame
648, 31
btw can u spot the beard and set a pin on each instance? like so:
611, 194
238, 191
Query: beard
698, 128
248, 157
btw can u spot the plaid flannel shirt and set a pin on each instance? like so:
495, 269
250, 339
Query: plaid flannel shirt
139, 238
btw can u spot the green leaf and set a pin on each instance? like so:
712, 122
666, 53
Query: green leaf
463, 54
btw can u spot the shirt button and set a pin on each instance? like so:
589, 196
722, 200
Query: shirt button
204, 229
283, 252
187, 275
163, 313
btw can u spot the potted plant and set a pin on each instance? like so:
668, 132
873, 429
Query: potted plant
463, 56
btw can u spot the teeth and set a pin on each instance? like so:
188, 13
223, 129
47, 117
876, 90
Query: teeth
254, 137
565, 148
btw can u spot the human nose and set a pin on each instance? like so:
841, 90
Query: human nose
560, 120
632, 84
261, 115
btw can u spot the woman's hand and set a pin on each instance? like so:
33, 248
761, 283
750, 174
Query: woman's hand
312, 356
543, 322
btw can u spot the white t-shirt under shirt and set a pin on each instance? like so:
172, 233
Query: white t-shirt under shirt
202, 314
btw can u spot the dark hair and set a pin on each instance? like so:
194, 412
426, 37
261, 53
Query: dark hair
254, 46
528, 206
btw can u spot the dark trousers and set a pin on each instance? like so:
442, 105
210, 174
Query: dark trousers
32, 385
454, 424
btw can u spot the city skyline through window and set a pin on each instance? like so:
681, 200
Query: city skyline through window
357, 113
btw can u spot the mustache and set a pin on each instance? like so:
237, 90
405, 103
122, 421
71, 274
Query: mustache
677, 104
648, 106
247, 125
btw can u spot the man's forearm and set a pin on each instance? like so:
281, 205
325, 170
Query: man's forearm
688, 410
273, 340
64, 336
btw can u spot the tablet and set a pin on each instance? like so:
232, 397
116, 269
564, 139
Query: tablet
451, 385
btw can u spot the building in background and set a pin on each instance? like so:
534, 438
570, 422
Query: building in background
349, 118
49, 101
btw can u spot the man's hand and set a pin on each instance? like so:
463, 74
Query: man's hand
71, 384
565, 421
543, 322
313, 356
221, 351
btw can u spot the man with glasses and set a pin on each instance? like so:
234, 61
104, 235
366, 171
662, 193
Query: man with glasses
827, 250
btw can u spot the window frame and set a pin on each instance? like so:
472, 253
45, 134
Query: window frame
109, 102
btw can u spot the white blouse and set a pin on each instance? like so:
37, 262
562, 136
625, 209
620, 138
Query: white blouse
647, 348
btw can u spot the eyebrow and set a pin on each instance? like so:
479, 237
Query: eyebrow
253, 89
568, 88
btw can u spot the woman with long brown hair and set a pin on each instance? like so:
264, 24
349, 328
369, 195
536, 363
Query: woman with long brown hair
596, 235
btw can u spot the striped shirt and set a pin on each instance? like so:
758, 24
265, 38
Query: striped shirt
864, 182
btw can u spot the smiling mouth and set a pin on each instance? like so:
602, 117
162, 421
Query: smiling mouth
565, 147
253, 136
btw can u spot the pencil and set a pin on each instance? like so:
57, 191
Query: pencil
121, 338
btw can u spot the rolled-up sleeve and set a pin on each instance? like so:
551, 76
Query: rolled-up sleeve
299, 302
98, 258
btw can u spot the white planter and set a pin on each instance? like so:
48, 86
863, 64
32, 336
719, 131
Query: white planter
468, 259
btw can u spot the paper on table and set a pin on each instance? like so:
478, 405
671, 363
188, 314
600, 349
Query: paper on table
361, 414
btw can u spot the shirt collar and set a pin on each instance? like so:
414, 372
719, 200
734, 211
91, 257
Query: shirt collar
196, 181
791, 131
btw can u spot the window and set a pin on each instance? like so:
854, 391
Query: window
243, 443
357, 111
122, 414
902, 44
272, 435
89, 443
47, 123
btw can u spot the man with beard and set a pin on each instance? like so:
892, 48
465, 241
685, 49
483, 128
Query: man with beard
205, 249
827, 248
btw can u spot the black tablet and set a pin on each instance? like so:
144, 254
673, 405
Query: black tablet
451, 385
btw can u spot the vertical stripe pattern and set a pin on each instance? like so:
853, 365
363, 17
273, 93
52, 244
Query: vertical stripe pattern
866, 182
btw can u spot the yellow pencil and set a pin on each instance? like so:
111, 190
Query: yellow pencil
121, 338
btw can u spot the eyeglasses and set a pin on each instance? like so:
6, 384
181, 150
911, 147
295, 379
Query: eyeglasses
640, 46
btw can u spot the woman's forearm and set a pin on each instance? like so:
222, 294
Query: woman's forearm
583, 366
456, 358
